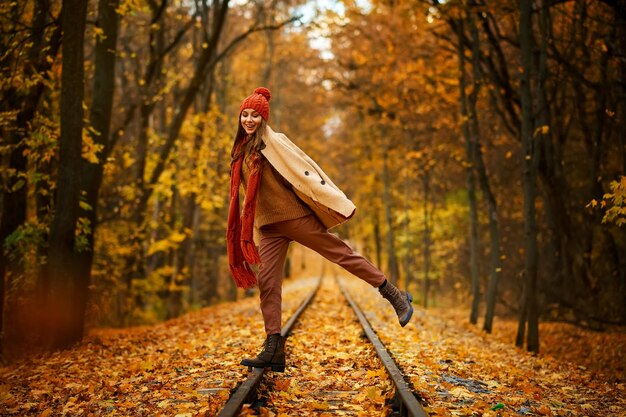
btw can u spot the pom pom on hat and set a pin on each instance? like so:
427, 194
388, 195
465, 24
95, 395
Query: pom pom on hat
259, 100
264, 92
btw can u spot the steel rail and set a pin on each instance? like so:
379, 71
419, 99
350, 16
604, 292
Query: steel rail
409, 405
247, 389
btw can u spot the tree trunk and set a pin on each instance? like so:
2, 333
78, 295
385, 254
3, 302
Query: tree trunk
427, 239
408, 247
521, 320
191, 214
192, 262
483, 180
620, 19
174, 295
377, 241
470, 178
67, 295
269, 64
529, 178
392, 260
100, 120
495, 264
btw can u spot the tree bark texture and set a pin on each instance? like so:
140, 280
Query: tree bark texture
483, 180
100, 120
470, 178
408, 262
426, 238
67, 294
377, 241
529, 177
392, 260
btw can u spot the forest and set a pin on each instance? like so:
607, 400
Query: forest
484, 144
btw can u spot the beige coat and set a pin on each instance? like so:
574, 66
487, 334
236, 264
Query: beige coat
308, 180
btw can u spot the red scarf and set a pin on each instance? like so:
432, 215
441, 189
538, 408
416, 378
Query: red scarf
239, 235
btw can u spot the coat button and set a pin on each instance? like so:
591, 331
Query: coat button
323, 182
306, 172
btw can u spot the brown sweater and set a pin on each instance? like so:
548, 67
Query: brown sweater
276, 202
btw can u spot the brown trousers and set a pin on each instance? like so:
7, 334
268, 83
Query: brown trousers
310, 232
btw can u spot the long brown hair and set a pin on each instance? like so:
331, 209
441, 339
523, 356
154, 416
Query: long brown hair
254, 144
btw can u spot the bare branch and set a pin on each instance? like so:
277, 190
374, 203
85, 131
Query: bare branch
250, 31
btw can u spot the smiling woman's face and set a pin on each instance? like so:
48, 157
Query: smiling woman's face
250, 120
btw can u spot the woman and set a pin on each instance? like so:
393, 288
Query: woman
287, 198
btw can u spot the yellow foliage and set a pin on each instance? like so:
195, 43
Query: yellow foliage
171, 242
90, 148
616, 201
130, 7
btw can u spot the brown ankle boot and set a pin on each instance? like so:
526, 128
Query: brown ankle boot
272, 355
400, 300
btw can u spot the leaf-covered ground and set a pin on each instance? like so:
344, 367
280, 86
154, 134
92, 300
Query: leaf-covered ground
187, 366
332, 369
182, 367
463, 372
601, 353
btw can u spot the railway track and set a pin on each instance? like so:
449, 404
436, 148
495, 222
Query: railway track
336, 394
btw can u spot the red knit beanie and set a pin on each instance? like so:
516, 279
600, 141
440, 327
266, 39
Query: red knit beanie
259, 101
